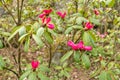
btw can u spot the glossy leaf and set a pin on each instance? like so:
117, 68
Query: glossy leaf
66, 56
27, 43
86, 61
1, 44
22, 31
37, 40
40, 31
42, 76
77, 56
43, 68
48, 37
32, 76
2, 63
103, 75
22, 38
68, 30
88, 40
25, 74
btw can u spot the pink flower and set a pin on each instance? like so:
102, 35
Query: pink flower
51, 26
47, 11
101, 35
96, 12
35, 64
47, 20
70, 43
75, 47
88, 25
87, 48
42, 15
81, 45
62, 15
78, 46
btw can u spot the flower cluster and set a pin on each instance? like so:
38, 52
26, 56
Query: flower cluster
79, 46
46, 20
96, 12
34, 64
62, 15
88, 26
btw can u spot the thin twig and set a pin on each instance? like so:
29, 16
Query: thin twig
50, 56
3, 3
21, 7
18, 11
11, 71
19, 60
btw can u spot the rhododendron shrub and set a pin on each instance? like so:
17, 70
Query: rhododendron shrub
60, 39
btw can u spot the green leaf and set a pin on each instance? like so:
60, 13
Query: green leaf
37, 40
42, 76
52, 32
22, 31
79, 20
40, 31
21, 39
13, 34
44, 68
2, 63
110, 3
32, 76
77, 56
48, 37
109, 76
1, 44
35, 26
24, 75
5, 33
66, 56
68, 30
95, 21
27, 43
103, 76
65, 73
77, 27
86, 61
87, 39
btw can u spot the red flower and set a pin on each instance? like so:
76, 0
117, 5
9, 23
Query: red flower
81, 45
35, 64
75, 47
88, 25
47, 11
87, 48
47, 20
78, 46
96, 12
42, 15
51, 26
62, 15
70, 43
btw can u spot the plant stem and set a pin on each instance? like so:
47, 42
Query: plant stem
3, 3
50, 55
21, 7
11, 71
76, 5
18, 12
19, 60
